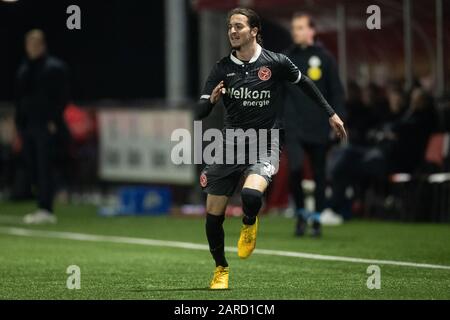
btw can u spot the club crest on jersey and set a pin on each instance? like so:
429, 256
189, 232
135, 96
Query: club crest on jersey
264, 73
203, 180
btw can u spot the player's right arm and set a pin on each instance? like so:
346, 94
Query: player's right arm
211, 93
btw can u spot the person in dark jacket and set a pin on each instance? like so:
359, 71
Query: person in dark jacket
41, 92
306, 130
360, 116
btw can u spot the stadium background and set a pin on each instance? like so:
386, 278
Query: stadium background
136, 69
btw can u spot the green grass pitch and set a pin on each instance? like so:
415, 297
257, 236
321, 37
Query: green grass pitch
35, 267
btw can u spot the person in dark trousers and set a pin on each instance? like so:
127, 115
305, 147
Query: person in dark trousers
306, 129
41, 92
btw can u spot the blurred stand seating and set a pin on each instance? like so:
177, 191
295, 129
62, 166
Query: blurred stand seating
423, 195
392, 172
420, 196
413, 140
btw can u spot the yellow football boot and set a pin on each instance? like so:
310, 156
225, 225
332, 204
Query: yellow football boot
220, 279
247, 240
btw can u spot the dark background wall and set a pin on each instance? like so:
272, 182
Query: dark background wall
118, 53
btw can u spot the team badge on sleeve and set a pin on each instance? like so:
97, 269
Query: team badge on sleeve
203, 180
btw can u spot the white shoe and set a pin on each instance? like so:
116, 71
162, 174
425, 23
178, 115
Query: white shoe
41, 216
330, 218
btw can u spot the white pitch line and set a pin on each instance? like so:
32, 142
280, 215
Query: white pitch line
196, 246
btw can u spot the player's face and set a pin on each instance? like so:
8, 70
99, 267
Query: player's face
239, 31
302, 33
34, 46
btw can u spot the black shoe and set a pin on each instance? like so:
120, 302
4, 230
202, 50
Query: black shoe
300, 227
316, 230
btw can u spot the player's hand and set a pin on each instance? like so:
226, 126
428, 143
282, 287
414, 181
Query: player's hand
217, 93
338, 127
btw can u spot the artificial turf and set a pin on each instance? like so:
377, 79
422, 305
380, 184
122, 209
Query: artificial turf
35, 267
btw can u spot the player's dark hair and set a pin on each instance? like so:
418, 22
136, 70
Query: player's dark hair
253, 20
304, 14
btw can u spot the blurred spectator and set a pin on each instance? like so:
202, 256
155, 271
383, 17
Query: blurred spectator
374, 99
396, 100
411, 133
359, 116
399, 146
82, 154
41, 95
306, 125
365, 122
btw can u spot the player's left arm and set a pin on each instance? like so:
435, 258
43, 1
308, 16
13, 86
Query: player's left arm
311, 90
293, 74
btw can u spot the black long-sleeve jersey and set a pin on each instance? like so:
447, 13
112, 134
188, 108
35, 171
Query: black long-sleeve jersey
254, 88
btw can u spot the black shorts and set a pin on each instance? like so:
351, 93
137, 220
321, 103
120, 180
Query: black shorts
223, 179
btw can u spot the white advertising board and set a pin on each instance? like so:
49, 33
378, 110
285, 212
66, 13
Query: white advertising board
135, 146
